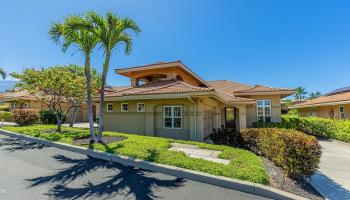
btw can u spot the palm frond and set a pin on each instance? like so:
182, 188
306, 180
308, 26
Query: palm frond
2, 73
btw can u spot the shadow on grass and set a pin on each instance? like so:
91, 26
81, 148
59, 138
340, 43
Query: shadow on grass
15, 144
106, 180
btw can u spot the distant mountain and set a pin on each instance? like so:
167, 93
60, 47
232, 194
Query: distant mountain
7, 85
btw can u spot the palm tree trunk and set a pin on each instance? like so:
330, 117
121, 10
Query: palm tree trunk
89, 101
102, 94
73, 117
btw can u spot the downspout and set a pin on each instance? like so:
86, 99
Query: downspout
195, 117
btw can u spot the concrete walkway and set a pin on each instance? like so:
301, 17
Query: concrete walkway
333, 178
195, 152
81, 125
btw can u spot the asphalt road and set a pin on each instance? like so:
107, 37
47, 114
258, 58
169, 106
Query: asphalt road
30, 171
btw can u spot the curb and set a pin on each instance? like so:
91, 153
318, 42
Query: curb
244, 186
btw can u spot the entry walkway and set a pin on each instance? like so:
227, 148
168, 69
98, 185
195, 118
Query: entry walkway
195, 152
333, 178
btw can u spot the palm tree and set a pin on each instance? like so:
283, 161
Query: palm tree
67, 35
314, 95
2, 73
300, 93
110, 31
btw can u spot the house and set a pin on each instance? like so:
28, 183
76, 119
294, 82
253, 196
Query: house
333, 105
23, 100
167, 99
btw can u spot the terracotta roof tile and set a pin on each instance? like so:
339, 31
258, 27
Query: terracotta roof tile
158, 87
325, 100
228, 86
233, 99
262, 88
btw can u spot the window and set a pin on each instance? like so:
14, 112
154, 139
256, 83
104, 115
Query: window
26, 105
13, 105
312, 112
124, 107
172, 117
263, 110
109, 107
341, 112
140, 107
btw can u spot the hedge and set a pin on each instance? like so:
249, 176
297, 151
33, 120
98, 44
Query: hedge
6, 116
329, 128
49, 117
24, 117
297, 153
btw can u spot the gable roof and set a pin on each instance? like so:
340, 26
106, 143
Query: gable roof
16, 95
334, 99
124, 71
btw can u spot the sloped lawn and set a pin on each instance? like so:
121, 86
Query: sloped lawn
244, 165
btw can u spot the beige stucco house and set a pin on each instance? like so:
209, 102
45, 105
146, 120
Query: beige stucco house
24, 100
170, 100
334, 105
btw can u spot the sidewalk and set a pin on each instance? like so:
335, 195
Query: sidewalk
333, 178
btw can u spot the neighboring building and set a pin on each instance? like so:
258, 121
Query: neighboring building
24, 100
170, 100
334, 105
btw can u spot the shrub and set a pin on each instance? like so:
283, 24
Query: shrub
297, 153
226, 137
329, 128
6, 116
25, 117
49, 117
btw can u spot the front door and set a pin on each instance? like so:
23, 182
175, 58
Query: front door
230, 118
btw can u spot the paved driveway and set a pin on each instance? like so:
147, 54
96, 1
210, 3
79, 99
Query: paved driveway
34, 172
333, 178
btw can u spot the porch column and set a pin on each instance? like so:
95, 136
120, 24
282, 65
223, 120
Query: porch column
242, 117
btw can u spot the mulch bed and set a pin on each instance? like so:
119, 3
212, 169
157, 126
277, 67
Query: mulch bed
105, 140
280, 181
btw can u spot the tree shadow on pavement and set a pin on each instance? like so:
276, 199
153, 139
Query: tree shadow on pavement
123, 180
15, 144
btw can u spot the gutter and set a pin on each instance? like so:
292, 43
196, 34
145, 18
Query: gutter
195, 116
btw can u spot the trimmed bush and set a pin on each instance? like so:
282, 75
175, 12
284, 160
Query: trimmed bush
329, 128
6, 116
49, 117
24, 117
228, 137
297, 153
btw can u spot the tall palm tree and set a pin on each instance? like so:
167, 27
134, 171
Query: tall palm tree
300, 93
2, 73
67, 35
110, 31
314, 95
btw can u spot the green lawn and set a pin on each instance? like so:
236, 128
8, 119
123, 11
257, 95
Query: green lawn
244, 165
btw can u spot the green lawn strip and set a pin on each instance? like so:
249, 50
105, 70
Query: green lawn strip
244, 165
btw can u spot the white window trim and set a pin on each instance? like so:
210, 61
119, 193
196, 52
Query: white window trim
14, 105
144, 107
257, 110
26, 105
122, 109
309, 113
108, 104
172, 117
340, 113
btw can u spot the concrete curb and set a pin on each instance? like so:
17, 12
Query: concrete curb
244, 186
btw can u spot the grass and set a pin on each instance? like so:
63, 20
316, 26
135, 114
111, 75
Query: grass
244, 165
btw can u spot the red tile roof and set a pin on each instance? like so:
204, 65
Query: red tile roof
158, 87
334, 99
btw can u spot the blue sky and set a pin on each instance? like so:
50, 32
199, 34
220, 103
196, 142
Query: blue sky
270, 42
